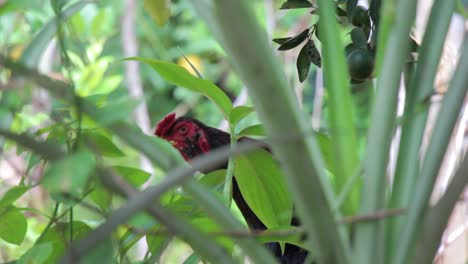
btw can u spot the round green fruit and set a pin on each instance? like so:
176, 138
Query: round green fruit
360, 64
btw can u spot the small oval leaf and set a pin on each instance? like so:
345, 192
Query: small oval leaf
281, 40
303, 63
295, 41
292, 4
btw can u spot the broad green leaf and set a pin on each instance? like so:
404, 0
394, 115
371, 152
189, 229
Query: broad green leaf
13, 225
12, 195
294, 41
291, 4
238, 113
214, 179
36, 47
159, 10
114, 112
69, 174
178, 75
134, 176
38, 254
208, 225
255, 130
263, 186
104, 144
101, 196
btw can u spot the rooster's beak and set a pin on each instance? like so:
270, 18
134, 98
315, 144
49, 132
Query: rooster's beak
172, 142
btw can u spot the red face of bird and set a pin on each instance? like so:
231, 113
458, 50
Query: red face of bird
184, 134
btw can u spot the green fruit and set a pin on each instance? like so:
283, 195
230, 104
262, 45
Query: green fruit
359, 16
360, 64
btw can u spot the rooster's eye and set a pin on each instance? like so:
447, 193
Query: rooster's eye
182, 130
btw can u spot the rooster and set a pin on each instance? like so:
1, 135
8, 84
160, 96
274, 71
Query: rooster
192, 138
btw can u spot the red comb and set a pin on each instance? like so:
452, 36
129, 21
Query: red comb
164, 125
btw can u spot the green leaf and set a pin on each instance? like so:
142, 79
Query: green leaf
281, 40
102, 197
214, 179
69, 174
157, 243
192, 259
238, 113
307, 55
178, 75
255, 130
12, 195
103, 253
303, 63
359, 37
115, 111
159, 10
262, 184
295, 41
38, 254
291, 4
15, 5
39, 43
59, 235
13, 225
134, 176
104, 144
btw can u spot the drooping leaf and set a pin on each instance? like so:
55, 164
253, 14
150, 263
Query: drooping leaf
12, 195
303, 63
255, 130
13, 225
177, 75
160, 10
33, 52
263, 187
292, 4
308, 54
134, 176
238, 113
69, 174
281, 40
294, 41
359, 37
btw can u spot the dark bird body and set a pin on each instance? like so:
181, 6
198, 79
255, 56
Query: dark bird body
192, 138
